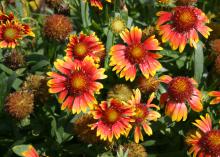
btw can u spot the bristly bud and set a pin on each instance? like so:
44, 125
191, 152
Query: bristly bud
135, 150
20, 104
215, 45
120, 92
186, 2
217, 65
57, 27
14, 60
118, 25
147, 85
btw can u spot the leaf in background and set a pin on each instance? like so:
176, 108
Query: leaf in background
40, 65
85, 14
198, 62
109, 43
25, 151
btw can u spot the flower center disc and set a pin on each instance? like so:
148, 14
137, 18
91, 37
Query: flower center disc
117, 26
184, 19
180, 89
141, 113
111, 115
210, 143
78, 82
80, 50
135, 53
10, 33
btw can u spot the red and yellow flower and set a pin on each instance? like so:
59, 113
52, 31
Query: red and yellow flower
205, 142
215, 94
76, 83
113, 119
11, 31
125, 58
98, 3
180, 90
84, 45
143, 115
181, 25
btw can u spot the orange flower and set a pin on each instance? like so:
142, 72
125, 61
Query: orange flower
180, 90
113, 119
84, 45
181, 25
76, 83
11, 31
215, 94
98, 3
125, 58
204, 143
143, 115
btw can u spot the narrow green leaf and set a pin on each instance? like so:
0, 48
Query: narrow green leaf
85, 14
109, 43
40, 65
198, 62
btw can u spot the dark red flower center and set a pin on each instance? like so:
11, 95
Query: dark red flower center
80, 50
78, 82
180, 89
10, 34
140, 113
135, 53
111, 115
184, 18
210, 143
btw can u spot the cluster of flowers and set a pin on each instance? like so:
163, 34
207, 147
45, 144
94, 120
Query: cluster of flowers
78, 77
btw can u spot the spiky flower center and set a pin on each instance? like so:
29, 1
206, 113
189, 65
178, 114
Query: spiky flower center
140, 113
80, 50
180, 89
111, 115
117, 25
210, 143
184, 18
78, 82
163, 1
135, 53
10, 33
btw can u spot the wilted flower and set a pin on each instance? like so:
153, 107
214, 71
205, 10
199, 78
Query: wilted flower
186, 2
143, 115
135, 150
112, 119
215, 45
204, 142
121, 92
181, 25
180, 90
76, 83
14, 59
57, 27
125, 58
147, 85
20, 104
84, 45
217, 65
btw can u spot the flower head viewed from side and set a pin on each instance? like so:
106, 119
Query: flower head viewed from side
12, 30
84, 45
215, 94
25, 151
126, 58
98, 3
113, 119
143, 115
181, 25
180, 90
76, 83
205, 142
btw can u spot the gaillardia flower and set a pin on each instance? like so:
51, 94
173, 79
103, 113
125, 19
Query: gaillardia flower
143, 115
84, 45
126, 58
180, 90
14, 59
215, 94
11, 32
204, 143
76, 83
148, 85
182, 25
113, 119
25, 151
4, 17
135, 150
98, 3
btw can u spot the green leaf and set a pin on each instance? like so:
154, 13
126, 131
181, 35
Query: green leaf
39, 65
198, 62
109, 43
85, 14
